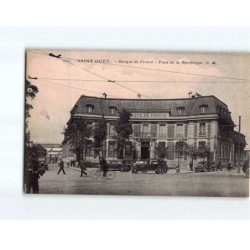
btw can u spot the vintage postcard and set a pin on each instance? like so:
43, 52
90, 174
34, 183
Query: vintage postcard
137, 123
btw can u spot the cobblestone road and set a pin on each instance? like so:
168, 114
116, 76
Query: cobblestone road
220, 183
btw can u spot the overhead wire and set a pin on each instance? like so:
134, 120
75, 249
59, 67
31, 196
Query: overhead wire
108, 80
59, 84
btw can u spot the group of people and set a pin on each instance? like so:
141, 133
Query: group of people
82, 165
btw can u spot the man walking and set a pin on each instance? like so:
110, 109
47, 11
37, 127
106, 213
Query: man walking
83, 168
104, 166
191, 165
61, 167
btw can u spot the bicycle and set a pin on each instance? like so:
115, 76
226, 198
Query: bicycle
98, 173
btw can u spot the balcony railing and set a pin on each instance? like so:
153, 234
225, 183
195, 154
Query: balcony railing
162, 136
144, 135
202, 134
179, 136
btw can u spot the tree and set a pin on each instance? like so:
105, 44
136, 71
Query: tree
30, 93
161, 150
193, 152
123, 129
77, 133
181, 148
100, 135
198, 152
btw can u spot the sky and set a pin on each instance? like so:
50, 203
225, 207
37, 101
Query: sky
162, 75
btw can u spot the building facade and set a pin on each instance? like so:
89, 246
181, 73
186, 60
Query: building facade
53, 152
198, 120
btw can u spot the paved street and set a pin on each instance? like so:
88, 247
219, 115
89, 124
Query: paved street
220, 183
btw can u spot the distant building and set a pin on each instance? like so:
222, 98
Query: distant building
54, 152
198, 120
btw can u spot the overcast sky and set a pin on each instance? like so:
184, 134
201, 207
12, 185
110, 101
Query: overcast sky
53, 102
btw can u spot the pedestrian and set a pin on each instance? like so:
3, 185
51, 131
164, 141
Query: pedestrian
83, 168
229, 166
61, 167
104, 166
219, 166
191, 165
33, 176
177, 169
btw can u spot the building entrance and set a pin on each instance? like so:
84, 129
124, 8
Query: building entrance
145, 152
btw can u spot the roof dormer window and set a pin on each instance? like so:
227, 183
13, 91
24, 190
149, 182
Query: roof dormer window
89, 108
180, 110
203, 109
112, 110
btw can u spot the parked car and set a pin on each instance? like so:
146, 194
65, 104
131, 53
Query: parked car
159, 166
119, 165
201, 167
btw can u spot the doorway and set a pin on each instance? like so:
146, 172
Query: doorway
145, 151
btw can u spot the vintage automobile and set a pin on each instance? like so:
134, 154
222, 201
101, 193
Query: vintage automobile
159, 166
201, 167
119, 165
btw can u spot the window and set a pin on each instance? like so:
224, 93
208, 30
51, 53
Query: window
179, 130
203, 109
180, 110
162, 151
137, 130
111, 129
89, 108
112, 110
145, 128
88, 150
162, 130
111, 149
202, 129
202, 144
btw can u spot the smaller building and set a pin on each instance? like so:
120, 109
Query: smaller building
239, 144
54, 152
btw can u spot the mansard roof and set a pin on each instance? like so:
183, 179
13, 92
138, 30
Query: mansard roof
191, 105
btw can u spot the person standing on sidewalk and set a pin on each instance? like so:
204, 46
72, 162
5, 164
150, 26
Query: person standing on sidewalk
104, 166
191, 165
61, 167
83, 168
33, 176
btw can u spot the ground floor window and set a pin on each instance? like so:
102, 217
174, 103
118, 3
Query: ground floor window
88, 150
111, 149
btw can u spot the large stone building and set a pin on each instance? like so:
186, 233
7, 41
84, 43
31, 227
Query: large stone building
198, 120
